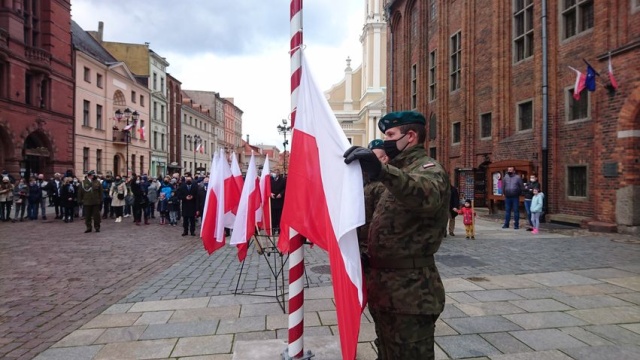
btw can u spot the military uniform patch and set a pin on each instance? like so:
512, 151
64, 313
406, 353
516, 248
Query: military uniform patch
428, 165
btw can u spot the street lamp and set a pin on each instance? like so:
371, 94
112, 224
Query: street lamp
195, 140
126, 114
284, 129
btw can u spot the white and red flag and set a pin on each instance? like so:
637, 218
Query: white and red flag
263, 214
232, 189
325, 203
129, 127
580, 84
212, 228
612, 79
141, 132
245, 223
237, 178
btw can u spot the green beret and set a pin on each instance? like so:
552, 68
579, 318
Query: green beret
400, 118
376, 144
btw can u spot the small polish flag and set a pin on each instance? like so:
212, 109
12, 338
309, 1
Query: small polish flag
580, 84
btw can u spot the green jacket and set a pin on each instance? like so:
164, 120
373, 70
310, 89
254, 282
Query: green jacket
408, 223
372, 192
90, 192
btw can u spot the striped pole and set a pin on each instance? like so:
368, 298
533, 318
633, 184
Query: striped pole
296, 251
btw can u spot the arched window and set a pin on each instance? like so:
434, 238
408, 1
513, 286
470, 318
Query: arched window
119, 99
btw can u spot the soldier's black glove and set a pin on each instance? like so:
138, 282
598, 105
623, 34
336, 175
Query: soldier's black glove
368, 160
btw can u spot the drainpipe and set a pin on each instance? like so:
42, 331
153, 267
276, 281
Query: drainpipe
387, 11
545, 110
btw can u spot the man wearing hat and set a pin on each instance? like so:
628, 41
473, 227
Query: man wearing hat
405, 291
90, 196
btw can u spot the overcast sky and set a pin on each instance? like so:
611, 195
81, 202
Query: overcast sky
238, 48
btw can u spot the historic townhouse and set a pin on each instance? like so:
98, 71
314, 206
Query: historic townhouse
498, 93
105, 86
36, 87
198, 136
174, 143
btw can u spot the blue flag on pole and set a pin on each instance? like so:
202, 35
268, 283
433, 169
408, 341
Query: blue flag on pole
590, 83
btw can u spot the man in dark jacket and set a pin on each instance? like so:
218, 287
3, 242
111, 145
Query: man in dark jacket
188, 194
513, 188
278, 185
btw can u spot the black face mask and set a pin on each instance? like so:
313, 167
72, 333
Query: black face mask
188, 182
391, 147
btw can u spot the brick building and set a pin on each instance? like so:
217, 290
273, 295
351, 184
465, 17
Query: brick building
36, 87
476, 70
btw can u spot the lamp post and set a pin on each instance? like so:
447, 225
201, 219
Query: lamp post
284, 129
195, 140
126, 114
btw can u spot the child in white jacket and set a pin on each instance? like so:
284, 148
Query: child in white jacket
536, 209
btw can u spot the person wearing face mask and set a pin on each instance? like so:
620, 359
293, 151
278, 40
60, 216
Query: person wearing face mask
512, 187
188, 194
20, 200
528, 196
35, 197
90, 196
138, 199
404, 288
278, 187
118, 194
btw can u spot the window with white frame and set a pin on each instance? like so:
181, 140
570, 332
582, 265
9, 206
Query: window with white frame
577, 16
577, 181
522, 29
134, 96
485, 126
456, 60
414, 87
432, 75
99, 160
98, 116
99, 80
155, 140
455, 133
525, 115
85, 160
577, 109
85, 112
87, 74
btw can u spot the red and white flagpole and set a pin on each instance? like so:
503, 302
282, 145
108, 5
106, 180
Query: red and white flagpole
296, 251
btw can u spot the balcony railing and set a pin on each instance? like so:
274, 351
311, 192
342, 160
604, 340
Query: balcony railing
120, 137
37, 55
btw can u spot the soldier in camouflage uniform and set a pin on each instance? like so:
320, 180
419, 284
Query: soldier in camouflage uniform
372, 192
90, 196
405, 292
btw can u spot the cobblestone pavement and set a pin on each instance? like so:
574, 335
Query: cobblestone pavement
55, 279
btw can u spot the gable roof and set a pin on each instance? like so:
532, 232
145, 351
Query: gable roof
84, 42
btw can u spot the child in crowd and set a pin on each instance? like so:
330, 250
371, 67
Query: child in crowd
536, 209
467, 219
163, 208
174, 206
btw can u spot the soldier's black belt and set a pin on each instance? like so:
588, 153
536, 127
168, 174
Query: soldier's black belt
401, 263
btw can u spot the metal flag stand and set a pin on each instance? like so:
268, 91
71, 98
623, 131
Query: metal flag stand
266, 246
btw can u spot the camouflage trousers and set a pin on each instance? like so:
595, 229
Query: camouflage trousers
404, 336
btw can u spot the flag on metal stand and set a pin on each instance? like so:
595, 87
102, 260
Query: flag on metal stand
245, 223
325, 203
263, 214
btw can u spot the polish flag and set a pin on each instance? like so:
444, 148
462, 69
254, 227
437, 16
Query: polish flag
325, 203
212, 228
612, 80
580, 84
129, 127
141, 132
237, 177
200, 149
232, 190
245, 223
263, 214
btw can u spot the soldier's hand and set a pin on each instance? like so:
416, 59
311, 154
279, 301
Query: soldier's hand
368, 160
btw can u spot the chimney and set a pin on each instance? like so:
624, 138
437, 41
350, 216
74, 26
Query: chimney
100, 30
247, 138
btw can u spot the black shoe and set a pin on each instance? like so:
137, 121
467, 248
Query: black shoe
184, 234
529, 229
505, 226
451, 233
97, 230
87, 231
192, 234
473, 238
516, 227
44, 218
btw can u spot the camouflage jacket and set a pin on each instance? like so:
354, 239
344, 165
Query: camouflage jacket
372, 192
90, 192
408, 223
